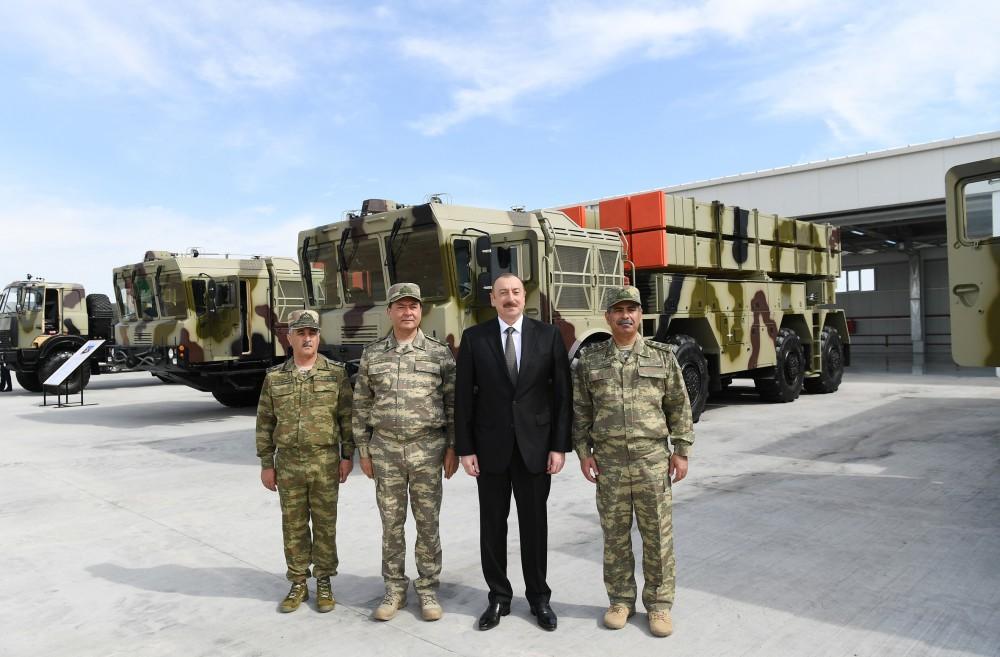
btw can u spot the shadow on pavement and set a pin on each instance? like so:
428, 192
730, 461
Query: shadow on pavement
233, 447
135, 416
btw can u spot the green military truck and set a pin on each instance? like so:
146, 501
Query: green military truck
212, 323
43, 323
739, 293
453, 253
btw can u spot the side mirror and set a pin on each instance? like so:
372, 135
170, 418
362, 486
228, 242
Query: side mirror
484, 251
211, 296
484, 285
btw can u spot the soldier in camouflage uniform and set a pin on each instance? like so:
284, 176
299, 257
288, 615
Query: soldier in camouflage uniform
629, 396
404, 411
305, 449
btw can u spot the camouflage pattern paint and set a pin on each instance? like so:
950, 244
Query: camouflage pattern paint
244, 331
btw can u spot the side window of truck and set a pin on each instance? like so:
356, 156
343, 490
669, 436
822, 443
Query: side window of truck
982, 209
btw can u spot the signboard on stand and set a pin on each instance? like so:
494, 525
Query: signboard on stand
68, 368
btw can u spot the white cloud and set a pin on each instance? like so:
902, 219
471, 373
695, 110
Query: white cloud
866, 71
167, 47
83, 243
902, 68
574, 44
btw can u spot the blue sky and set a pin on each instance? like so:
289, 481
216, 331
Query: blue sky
231, 125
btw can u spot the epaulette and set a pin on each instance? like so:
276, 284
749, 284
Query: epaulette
436, 341
662, 346
591, 348
375, 342
335, 363
276, 368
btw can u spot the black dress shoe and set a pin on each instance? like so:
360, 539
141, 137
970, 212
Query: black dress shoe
544, 615
491, 617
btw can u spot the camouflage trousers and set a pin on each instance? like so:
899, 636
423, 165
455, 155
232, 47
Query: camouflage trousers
308, 484
639, 485
409, 472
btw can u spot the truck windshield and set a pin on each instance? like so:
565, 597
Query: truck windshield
8, 300
142, 296
321, 271
123, 293
31, 300
418, 260
365, 282
173, 297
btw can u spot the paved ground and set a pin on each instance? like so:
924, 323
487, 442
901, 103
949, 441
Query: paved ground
861, 523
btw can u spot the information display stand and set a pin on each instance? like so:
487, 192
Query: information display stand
61, 377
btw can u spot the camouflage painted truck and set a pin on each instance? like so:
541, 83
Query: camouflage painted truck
43, 323
762, 309
739, 293
453, 253
214, 324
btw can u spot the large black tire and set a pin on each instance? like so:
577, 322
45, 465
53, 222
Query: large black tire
100, 316
29, 381
694, 369
832, 370
789, 370
77, 380
237, 398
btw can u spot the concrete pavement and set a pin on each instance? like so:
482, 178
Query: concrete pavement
861, 523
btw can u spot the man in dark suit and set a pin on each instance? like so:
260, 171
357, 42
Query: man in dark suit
512, 429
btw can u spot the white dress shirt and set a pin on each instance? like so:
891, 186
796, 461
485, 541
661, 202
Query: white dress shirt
516, 336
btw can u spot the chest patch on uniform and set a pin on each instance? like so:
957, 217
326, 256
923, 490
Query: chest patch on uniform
324, 383
426, 366
597, 375
653, 371
381, 368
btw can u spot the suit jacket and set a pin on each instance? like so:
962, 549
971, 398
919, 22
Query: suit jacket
492, 415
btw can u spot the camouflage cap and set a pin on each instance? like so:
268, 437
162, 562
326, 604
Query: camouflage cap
300, 319
400, 290
619, 294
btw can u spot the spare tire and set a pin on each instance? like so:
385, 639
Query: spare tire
100, 316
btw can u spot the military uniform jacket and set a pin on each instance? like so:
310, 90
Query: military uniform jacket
300, 411
623, 402
403, 396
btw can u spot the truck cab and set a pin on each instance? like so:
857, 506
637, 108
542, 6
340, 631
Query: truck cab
42, 323
213, 323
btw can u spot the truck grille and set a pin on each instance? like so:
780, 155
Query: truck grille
8, 332
141, 337
359, 334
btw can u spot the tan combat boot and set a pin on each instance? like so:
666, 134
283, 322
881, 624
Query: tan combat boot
391, 603
430, 608
324, 596
617, 615
660, 623
295, 596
